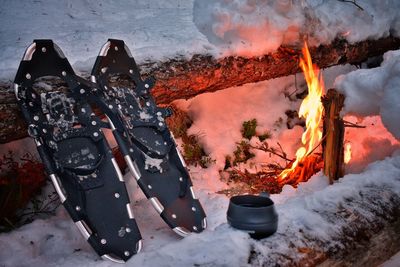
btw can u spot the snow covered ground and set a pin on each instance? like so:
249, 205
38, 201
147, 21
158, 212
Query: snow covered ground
157, 30
56, 241
217, 119
392, 262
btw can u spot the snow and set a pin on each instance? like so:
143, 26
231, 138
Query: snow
152, 29
374, 92
392, 262
256, 27
160, 30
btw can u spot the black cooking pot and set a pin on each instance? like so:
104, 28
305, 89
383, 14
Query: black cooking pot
253, 214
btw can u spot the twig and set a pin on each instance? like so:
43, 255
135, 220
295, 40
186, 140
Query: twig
320, 142
352, 125
352, 2
265, 148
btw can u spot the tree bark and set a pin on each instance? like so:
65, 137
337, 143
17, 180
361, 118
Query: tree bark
182, 78
333, 131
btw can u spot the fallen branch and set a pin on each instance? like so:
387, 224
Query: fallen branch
182, 78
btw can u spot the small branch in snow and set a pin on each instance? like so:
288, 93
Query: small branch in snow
352, 2
264, 147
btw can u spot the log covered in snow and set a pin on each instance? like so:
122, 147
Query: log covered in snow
354, 222
182, 78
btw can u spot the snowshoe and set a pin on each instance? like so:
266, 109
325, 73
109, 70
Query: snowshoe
145, 141
75, 153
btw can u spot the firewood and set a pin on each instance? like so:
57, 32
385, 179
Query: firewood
333, 130
181, 78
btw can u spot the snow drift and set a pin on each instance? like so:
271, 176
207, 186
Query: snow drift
256, 27
375, 92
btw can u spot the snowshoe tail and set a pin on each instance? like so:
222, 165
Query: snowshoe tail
147, 145
75, 152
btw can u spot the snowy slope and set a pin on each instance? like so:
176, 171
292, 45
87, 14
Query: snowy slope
158, 30
152, 29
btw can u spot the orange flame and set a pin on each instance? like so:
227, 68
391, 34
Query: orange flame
347, 153
311, 109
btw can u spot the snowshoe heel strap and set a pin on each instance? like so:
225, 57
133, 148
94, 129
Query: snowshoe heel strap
43, 58
114, 58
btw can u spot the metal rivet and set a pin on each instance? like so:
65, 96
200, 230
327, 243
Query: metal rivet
83, 110
43, 49
173, 216
149, 186
94, 175
193, 208
110, 106
130, 106
33, 95
28, 76
160, 124
103, 70
146, 85
82, 91
103, 241
95, 134
195, 228
116, 195
131, 150
63, 73
44, 130
126, 253
128, 230
94, 122
165, 143
131, 71
36, 118
78, 208
180, 179
148, 104
116, 48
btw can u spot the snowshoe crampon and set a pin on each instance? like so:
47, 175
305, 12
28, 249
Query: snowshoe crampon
75, 152
144, 139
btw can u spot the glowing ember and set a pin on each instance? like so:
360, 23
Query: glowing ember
347, 153
311, 109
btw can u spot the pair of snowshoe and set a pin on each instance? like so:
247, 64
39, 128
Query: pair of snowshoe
77, 157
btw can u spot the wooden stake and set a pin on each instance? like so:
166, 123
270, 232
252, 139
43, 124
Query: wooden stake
332, 146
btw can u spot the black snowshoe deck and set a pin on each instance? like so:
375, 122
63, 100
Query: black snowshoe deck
144, 139
75, 152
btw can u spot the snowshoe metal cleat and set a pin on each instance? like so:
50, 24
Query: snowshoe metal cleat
75, 152
144, 139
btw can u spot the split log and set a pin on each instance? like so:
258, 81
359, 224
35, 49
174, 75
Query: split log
333, 131
182, 78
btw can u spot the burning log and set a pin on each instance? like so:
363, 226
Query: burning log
182, 78
333, 130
